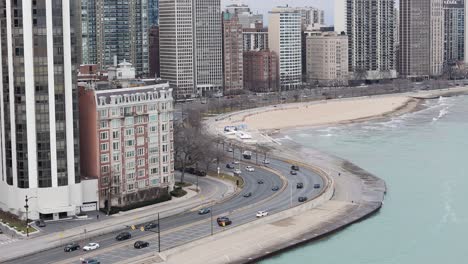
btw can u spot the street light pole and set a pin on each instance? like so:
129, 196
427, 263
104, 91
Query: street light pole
26, 206
159, 235
211, 220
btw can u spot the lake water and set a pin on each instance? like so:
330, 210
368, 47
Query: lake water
423, 157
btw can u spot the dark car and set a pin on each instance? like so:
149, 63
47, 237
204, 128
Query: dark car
200, 173
316, 186
302, 199
275, 188
71, 247
300, 185
123, 236
293, 172
248, 194
204, 211
149, 226
1, 232
190, 170
40, 223
223, 221
90, 261
140, 244
230, 166
295, 167
260, 181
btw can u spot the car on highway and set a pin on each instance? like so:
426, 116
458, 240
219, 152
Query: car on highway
90, 261
223, 221
249, 168
200, 173
91, 246
123, 236
299, 185
260, 181
71, 247
237, 171
230, 150
235, 162
302, 199
149, 226
295, 167
140, 244
275, 188
316, 186
248, 194
1, 232
204, 211
293, 172
230, 166
261, 214
266, 161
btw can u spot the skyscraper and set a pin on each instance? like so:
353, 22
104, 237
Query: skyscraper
191, 47
233, 61
38, 107
116, 28
176, 48
208, 29
421, 38
284, 33
369, 26
454, 31
153, 12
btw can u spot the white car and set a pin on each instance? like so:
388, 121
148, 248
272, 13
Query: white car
262, 213
265, 161
249, 168
237, 171
230, 150
91, 246
235, 162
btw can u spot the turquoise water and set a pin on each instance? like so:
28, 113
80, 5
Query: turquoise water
423, 157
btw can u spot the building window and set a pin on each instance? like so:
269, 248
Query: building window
129, 132
141, 173
104, 158
165, 158
116, 156
103, 113
165, 169
141, 162
154, 181
153, 118
130, 154
131, 176
140, 141
153, 129
164, 127
130, 187
164, 138
105, 169
154, 171
130, 143
115, 145
164, 148
104, 135
154, 160
140, 130
130, 165
129, 121
115, 135
105, 180
154, 150
103, 124
115, 123
140, 151
104, 147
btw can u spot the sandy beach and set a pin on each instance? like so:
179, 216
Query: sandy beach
323, 112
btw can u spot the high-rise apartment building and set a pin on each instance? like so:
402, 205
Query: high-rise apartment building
153, 12
38, 108
176, 46
127, 138
246, 18
261, 71
154, 61
421, 38
208, 28
454, 32
369, 26
191, 47
255, 38
115, 28
312, 18
284, 38
327, 58
233, 52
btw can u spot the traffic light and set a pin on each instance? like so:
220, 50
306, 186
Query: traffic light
133, 227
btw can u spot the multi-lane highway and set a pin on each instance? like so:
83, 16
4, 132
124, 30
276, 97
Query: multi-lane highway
180, 229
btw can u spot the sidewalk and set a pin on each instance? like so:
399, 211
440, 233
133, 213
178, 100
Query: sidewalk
118, 221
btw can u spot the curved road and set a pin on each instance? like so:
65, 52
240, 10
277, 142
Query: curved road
182, 228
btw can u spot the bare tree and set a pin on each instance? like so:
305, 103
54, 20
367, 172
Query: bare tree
187, 149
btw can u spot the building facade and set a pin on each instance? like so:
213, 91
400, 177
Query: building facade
127, 139
255, 38
176, 45
454, 32
369, 26
154, 62
421, 38
312, 18
246, 18
261, 71
115, 28
38, 108
327, 59
233, 61
208, 29
153, 13
284, 38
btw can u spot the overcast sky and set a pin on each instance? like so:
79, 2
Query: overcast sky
263, 6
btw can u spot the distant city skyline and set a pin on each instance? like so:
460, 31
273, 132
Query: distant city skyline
265, 6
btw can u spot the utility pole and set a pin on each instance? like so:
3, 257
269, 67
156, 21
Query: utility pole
159, 235
26, 206
211, 220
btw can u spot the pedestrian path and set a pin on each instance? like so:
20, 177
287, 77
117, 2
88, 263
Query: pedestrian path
5, 240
